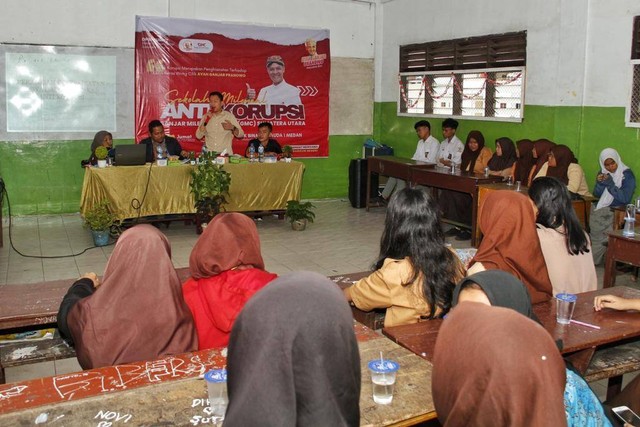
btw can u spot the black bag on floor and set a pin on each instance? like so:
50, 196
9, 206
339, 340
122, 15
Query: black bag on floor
358, 183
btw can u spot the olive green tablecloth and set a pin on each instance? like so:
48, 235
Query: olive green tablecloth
254, 187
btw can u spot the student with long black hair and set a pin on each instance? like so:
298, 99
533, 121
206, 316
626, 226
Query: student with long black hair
565, 244
415, 272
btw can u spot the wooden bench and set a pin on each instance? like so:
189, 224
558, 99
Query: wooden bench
24, 353
612, 363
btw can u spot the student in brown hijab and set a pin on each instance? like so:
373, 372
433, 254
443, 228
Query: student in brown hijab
226, 270
501, 163
293, 357
456, 206
541, 149
562, 164
510, 242
101, 139
526, 161
493, 366
137, 311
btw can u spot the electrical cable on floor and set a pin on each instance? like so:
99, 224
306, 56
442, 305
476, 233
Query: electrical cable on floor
5, 194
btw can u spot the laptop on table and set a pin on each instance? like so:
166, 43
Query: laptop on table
131, 155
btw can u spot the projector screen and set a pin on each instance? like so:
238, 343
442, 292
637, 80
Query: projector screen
54, 92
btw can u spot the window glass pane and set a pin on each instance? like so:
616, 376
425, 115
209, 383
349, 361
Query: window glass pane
473, 94
442, 94
508, 94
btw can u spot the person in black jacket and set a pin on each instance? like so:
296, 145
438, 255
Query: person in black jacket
157, 138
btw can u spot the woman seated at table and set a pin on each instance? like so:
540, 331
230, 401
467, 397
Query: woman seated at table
525, 163
293, 357
615, 185
500, 289
630, 395
541, 149
226, 270
565, 244
136, 313
101, 139
415, 272
501, 163
494, 367
562, 164
510, 242
454, 205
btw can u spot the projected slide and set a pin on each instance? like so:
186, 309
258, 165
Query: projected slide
60, 92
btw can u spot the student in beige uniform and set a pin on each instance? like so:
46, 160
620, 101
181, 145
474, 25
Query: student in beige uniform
565, 245
416, 272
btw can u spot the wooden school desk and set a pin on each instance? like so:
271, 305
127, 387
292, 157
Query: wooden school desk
623, 249
169, 391
579, 342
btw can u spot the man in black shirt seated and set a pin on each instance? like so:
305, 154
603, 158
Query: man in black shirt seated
271, 146
157, 138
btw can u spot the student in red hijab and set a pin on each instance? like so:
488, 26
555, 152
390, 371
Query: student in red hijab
541, 149
510, 242
226, 270
493, 366
136, 313
562, 164
526, 161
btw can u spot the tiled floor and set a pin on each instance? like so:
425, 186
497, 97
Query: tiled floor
341, 240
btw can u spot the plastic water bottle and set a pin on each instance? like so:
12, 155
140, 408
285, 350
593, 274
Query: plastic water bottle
203, 155
252, 153
260, 153
160, 153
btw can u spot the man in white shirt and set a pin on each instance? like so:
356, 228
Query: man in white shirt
426, 151
451, 147
218, 127
280, 92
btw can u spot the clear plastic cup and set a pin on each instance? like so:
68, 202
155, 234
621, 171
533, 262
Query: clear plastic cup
217, 388
565, 304
383, 377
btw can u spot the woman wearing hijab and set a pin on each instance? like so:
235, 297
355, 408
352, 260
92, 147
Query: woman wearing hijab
136, 313
615, 185
541, 149
415, 272
494, 367
500, 289
525, 163
454, 205
226, 270
510, 242
501, 163
565, 244
562, 164
101, 139
293, 357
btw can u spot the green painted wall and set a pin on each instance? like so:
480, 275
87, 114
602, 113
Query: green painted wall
46, 178
586, 130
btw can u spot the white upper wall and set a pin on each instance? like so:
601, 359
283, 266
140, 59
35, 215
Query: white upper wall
608, 68
556, 39
112, 23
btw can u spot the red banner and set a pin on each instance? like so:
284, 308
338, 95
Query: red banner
266, 74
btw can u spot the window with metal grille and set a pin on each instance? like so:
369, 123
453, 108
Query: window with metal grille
480, 77
633, 110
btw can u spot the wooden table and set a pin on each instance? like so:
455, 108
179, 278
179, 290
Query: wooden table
169, 391
463, 182
619, 213
579, 342
623, 249
397, 167
166, 190
35, 305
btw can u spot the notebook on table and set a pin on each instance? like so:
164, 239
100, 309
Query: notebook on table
131, 155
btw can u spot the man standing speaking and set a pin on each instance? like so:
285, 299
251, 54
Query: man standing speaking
218, 127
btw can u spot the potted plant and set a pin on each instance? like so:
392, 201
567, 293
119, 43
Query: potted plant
287, 150
299, 214
101, 155
210, 186
99, 219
